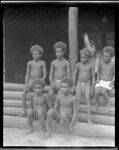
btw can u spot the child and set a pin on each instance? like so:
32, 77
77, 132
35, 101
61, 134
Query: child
36, 68
65, 108
58, 70
83, 76
38, 106
106, 76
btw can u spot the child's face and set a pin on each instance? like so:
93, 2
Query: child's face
65, 87
38, 89
106, 57
83, 58
36, 55
59, 53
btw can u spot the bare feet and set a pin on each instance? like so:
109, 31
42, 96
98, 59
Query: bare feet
24, 114
94, 108
47, 135
29, 132
90, 123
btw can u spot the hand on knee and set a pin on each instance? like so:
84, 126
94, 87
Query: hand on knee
50, 112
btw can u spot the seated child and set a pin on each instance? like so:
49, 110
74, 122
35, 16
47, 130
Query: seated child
83, 76
105, 77
58, 70
65, 108
38, 106
36, 68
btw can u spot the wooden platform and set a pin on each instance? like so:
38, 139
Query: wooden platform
104, 121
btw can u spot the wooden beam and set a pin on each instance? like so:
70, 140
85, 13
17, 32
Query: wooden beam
73, 37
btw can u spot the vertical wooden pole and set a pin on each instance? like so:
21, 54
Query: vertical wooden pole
73, 37
3, 50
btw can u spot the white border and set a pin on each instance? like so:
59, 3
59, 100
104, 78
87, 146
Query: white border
59, 1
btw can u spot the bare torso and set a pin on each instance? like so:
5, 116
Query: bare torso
36, 69
60, 68
84, 72
39, 102
106, 71
66, 103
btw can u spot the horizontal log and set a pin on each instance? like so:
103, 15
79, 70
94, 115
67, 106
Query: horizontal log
99, 119
81, 129
18, 95
83, 108
17, 87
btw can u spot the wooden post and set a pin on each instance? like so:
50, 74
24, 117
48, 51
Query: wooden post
3, 50
73, 37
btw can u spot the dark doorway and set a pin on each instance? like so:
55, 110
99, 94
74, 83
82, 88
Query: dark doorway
28, 25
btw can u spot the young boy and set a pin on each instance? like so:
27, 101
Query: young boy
58, 70
106, 76
83, 77
38, 106
65, 108
36, 68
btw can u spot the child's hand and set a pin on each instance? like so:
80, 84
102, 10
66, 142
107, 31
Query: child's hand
72, 89
111, 84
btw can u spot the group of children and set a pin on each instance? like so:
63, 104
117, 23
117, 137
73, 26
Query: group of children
64, 95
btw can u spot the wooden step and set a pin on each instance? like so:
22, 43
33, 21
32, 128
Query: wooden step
98, 119
17, 87
81, 129
83, 107
16, 95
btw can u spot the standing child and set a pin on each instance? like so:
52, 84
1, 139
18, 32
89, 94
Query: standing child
106, 76
38, 105
58, 70
83, 76
36, 68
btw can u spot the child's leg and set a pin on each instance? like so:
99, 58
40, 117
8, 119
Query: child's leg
97, 95
50, 97
106, 97
30, 118
41, 118
78, 93
87, 98
65, 119
50, 116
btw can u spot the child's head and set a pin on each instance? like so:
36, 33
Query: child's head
67, 83
38, 85
60, 49
85, 55
36, 51
108, 53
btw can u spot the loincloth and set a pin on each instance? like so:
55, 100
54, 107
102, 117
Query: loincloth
56, 84
104, 84
82, 85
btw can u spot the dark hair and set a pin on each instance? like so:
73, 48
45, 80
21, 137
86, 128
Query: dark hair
61, 45
109, 50
86, 52
68, 80
38, 81
36, 48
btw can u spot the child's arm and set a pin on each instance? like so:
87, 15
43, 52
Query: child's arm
75, 112
51, 73
75, 74
44, 71
113, 79
98, 72
27, 77
31, 101
56, 103
68, 69
93, 75
48, 103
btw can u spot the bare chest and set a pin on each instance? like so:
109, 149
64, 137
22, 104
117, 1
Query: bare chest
36, 65
65, 101
38, 100
84, 68
60, 65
